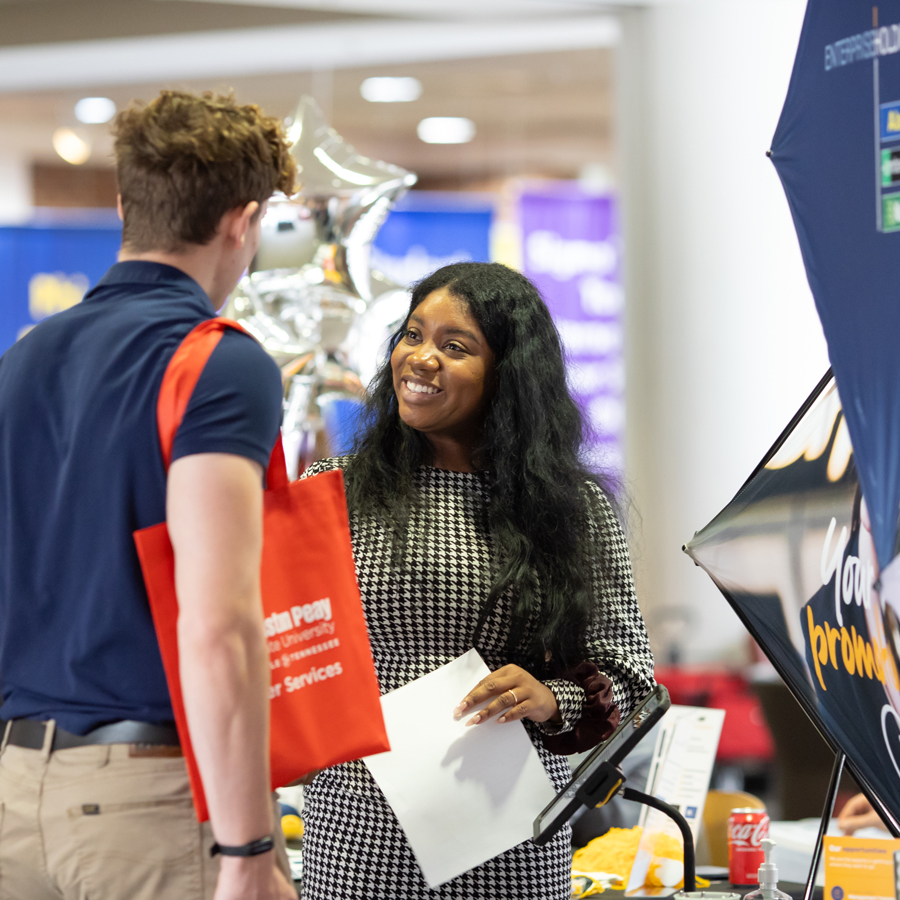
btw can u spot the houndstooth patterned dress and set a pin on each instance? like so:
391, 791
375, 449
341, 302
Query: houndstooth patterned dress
421, 614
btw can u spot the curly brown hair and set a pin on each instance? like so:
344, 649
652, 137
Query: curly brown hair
184, 160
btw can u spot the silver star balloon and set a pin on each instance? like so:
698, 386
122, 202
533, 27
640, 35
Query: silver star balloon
311, 298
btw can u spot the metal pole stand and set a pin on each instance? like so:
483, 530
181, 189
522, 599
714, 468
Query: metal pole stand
830, 797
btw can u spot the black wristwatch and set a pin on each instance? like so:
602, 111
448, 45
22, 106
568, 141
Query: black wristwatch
254, 848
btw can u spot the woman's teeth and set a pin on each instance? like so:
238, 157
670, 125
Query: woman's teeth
421, 388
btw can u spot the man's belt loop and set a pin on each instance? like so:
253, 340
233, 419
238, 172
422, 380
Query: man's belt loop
49, 731
6, 726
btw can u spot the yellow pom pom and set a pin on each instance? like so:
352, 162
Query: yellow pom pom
612, 852
292, 826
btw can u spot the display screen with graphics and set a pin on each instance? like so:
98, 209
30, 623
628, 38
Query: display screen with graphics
793, 553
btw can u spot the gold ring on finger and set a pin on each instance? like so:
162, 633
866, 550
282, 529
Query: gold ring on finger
515, 698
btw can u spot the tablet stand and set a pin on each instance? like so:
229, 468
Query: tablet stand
690, 867
609, 780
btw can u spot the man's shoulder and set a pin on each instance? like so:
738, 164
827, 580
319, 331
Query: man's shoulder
243, 356
240, 367
236, 404
112, 313
42, 348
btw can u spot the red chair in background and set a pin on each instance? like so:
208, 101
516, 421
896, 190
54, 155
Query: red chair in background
746, 738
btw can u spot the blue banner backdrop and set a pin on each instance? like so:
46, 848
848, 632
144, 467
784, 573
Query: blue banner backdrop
428, 230
49, 267
837, 151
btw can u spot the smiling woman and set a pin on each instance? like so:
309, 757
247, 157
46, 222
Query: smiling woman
442, 367
476, 524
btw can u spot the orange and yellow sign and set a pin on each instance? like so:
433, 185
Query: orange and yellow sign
860, 868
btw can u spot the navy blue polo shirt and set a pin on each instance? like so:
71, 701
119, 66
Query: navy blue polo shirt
81, 470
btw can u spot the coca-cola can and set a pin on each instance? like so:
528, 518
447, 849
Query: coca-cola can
746, 829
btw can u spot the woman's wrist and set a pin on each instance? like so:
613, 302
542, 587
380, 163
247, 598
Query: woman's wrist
569, 699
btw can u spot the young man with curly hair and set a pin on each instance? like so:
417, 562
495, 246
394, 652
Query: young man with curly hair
94, 793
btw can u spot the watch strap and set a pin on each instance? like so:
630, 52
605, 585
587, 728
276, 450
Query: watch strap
253, 848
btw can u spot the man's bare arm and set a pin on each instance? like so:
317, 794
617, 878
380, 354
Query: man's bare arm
214, 515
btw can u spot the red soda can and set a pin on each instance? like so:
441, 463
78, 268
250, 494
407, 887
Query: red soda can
746, 829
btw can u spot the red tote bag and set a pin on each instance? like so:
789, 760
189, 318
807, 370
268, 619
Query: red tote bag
325, 700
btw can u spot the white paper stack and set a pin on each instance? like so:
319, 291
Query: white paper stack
462, 795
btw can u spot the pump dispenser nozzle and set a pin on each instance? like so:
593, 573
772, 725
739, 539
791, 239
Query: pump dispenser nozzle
768, 877
768, 871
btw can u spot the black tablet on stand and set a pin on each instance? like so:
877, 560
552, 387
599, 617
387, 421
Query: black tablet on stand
597, 779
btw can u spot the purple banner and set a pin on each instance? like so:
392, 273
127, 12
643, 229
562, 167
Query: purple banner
572, 252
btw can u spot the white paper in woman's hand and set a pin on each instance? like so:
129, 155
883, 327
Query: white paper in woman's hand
462, 795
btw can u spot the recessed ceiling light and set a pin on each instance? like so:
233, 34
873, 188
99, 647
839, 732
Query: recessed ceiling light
446, 130
94, 110
70, 146
391, 90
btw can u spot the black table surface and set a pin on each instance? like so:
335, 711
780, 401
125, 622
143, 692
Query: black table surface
789, 887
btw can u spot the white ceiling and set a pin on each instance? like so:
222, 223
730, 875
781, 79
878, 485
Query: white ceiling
421, 9
534, 75
291, 48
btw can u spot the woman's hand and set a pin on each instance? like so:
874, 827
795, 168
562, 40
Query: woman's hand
858, 813
517, 695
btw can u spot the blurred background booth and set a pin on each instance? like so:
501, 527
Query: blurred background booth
614, 151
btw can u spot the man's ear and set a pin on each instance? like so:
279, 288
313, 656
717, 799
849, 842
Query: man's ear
120, 208
236, 222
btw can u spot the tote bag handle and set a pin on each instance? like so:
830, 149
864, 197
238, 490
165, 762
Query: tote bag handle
178, 385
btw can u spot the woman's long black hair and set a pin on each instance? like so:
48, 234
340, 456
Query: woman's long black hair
540, 505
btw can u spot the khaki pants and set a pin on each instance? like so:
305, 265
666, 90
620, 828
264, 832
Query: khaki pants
102, 822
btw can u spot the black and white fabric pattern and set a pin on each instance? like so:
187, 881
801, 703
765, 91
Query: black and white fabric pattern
422, 608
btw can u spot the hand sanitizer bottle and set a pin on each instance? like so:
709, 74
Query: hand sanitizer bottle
768, 877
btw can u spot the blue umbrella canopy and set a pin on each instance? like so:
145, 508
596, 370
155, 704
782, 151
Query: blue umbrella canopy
837, 151
803, 553
794, 556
